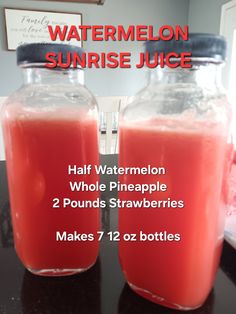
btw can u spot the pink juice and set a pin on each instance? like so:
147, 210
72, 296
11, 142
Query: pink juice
177, 274
39, 148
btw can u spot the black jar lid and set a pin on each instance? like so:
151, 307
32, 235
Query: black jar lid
201, 45
35, 53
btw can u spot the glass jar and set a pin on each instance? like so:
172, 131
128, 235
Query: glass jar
179, 127
50, 128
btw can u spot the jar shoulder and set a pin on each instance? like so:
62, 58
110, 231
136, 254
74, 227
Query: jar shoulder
177, 100
37, 95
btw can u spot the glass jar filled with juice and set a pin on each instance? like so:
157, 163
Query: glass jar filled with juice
50, 129
178, 129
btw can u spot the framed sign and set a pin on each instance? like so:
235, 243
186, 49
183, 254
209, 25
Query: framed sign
31, 26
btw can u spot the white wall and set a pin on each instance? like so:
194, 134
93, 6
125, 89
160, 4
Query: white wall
104, 82
204, 15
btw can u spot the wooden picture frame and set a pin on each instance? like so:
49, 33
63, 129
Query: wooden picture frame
30, 26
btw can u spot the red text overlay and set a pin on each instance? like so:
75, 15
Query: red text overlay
112, 59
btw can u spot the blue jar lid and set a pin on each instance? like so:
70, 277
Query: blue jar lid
201, 45
35, 53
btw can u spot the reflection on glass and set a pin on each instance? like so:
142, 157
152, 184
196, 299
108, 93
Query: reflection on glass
73, 294
5, 226
106, 216
130, 302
